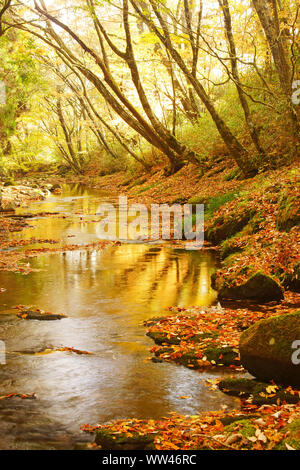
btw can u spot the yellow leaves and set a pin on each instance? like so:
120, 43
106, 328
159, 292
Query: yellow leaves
149, 38
271, 389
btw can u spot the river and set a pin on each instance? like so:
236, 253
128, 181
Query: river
106, 295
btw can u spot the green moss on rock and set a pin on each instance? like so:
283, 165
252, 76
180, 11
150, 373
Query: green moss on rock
245, 388
243, 427
289, 213
218, 356
293, 436
111, 441
163, 338
222, 227
259, 287
226, 356
266, 349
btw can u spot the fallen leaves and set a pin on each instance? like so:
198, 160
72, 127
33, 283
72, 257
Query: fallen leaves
24, 396
236, 430
204, 338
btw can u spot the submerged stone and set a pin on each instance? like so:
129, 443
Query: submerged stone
35, 315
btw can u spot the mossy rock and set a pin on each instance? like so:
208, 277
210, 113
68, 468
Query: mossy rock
223, 228
226, 356
227, 420
245, 388
218, 356
259, 287
228, 248
266, 349
153, 321
293, 436
289, 213
111, 441
243, 427
36, 315
162, 338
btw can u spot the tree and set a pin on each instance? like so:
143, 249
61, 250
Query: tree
267, 11
238, 151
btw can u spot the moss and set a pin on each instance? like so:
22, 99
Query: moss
9, 182
243, 427
233, 174
147, 188
266, 349
32, 315
222, 356
292, 438
255, 223
223, 228
138, 182
198, 200
245, 388
110, 441
288, 214
259, 287
180, 200
229, 247
161, 338
153, 321
233, 419
218, 356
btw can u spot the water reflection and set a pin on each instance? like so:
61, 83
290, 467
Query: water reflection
106, 296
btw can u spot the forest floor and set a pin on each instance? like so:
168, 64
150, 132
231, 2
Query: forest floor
254, 224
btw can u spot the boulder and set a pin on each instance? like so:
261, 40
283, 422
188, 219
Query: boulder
15, 196
113, 441
222, 228
259, 287
260, 393
266, 349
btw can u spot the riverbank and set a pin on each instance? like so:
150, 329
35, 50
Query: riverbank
208, 339
253, 224
271, 427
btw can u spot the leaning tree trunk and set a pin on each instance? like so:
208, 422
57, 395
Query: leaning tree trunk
279, 51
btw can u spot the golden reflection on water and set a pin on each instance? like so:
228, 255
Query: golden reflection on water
106, 296
165, 276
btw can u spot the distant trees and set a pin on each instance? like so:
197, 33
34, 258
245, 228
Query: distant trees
123, 90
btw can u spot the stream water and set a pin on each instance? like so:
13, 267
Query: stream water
106, 296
